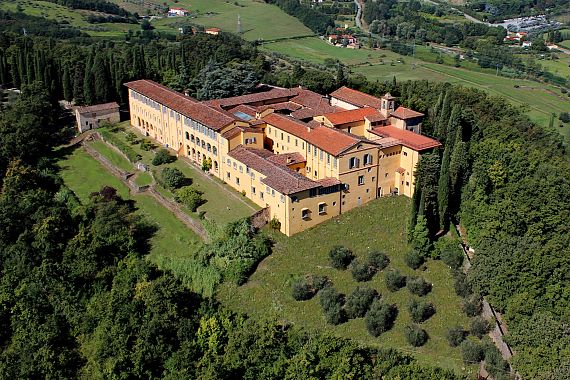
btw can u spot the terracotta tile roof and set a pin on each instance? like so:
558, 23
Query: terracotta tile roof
185, 105
98, 107
344, 117
406, 113
328, 139
231, 133
310, 99
287, 158
329, 181
278, 177
410, 139
387, 142
248, 110
375, 118
265, 96
280, 106
357, 98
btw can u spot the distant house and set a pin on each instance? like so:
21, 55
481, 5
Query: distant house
213, 31
521, 35
343, 39
175, 12
526, 44
89, 117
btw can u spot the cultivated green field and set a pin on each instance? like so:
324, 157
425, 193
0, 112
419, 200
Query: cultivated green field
112, 155
565, 43
74, 17
378, 225
259, 20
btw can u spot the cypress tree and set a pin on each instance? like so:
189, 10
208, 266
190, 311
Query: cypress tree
415, 208
88, 83
78, 77
340, 76
428, 175
443, 119
443, 190
437, 107
66, 84
101, 80
453, 125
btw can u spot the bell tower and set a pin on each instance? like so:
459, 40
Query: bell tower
388, 104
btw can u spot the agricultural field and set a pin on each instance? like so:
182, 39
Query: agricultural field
74, 17
259, 20
380, 225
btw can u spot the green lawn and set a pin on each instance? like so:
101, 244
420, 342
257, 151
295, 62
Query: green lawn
173, 242
112, 155
565, 43
143, 179
215, 192
379, 225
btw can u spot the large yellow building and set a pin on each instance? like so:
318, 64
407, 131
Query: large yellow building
305, 156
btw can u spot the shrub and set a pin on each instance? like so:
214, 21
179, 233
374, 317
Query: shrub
472, 306
456, 335
275, 224
494, 362
415, 335
420, 311
418, 286
380, 318
147, 145
394, 280
329, 297
414, 259
190, 197
340, 257
361, 271
451, 253
472, 352
302, 291
207, 165
378, 260
306, 287
564, 116
335, 315
460, 284
172, 178
479, 327
359, 301
131, 137
162, 157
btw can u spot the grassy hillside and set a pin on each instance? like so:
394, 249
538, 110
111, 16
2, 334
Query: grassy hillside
378, 225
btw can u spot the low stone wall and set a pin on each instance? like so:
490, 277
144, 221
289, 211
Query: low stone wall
260, 218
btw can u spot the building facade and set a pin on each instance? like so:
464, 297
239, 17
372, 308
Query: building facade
91, 116
305, 156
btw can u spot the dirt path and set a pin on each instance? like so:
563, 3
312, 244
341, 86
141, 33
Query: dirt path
488, 313
127, 179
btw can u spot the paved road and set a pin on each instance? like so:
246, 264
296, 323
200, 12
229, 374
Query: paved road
358, 18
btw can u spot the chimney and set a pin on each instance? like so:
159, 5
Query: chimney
288, 159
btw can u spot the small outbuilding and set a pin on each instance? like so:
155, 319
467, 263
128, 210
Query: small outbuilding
89, 117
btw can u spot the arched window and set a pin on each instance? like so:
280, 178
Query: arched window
197, 141
215, 151
353, 163
209, 147
192, 138
367, 159
187, 136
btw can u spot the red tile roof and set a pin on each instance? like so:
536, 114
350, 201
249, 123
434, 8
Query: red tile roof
406, 113
98, 107
273, 95
375, 118
280, 106
328, 139
410, 139
345, 117
356, 98
287, 158
185, 105
231, 133
329, 181
278, 177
